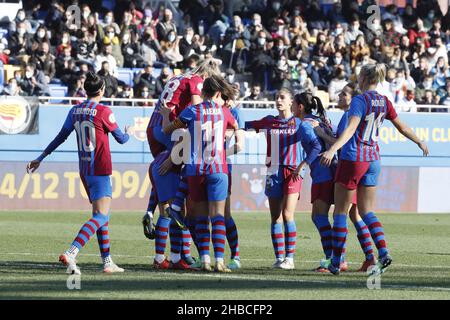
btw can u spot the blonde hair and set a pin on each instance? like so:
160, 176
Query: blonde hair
208, 68
372, 74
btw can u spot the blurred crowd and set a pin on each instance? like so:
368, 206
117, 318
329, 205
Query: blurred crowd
263, 45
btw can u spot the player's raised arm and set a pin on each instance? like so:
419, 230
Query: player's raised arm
408, 133
62, 136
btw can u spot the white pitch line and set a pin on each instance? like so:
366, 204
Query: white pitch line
249, 259
256, 278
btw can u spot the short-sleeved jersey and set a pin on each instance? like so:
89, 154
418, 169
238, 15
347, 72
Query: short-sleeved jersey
283, 138
92, 123
309, 138
177, 94
342, 124
207, 123
372, 108
236, 113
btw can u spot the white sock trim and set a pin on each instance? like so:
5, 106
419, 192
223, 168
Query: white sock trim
175, 257
159, 258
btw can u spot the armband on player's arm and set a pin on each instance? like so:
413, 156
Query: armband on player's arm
174, 125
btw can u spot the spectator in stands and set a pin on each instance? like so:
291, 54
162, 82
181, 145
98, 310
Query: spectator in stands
108, 21
281, 74
162, 80
391, 37
428, 99
20, 42
20, 17
44, 60
319, 73
336, 85
145, 78
87, 48
131, 50
126, 93
407, 104
166, 25
111, 82
106, 56
34, 82
256, 95
113, 40
12, 89
358, 50
78, 89
352, 34
186, 45
171, 50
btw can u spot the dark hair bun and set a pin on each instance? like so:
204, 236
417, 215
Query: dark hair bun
93, 84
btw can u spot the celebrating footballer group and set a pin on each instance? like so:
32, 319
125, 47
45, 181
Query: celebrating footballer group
189, 136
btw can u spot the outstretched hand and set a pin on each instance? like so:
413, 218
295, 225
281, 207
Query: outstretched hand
33, 166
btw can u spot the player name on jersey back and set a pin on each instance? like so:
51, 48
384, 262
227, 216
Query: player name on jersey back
212, 112
85, 111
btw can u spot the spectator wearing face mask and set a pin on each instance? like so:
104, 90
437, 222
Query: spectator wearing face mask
21, 17
353, 32
166, 25
145, 78
162, 80
171, 50
144, 93
255, 27
126, 93
44, 60
108, 22
39, 37
423, 86
281, 75
12, 89
337, 84
20, 41
187, 46
34, 82
112, 39
261, 61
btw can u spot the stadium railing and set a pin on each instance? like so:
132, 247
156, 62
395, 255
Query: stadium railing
137, 102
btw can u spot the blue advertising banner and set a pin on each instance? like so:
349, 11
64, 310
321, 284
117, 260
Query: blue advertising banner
396, 150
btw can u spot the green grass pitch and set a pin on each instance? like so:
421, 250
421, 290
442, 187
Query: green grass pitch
30, 243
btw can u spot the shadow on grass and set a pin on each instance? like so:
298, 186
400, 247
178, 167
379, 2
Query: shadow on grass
141, 278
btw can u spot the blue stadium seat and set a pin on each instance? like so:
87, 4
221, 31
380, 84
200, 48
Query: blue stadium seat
126, 75
57, 91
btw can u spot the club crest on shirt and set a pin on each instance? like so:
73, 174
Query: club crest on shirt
140, 128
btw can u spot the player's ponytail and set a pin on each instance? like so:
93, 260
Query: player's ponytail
312, 105
93, 84
372, 74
